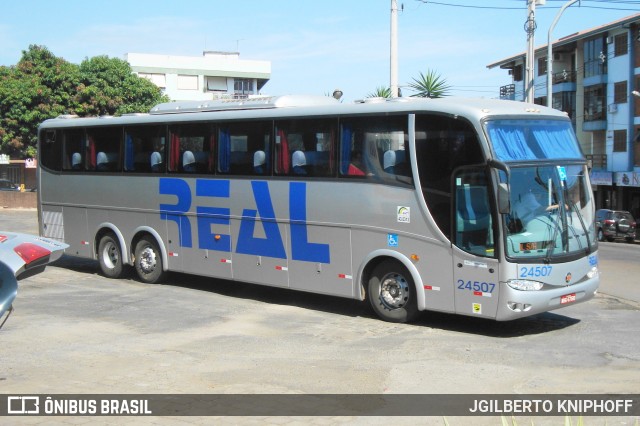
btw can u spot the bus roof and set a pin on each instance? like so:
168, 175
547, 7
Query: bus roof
273, 107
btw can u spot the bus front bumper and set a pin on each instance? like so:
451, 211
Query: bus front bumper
516, 304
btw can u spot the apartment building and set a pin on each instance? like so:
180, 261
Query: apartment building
213, 75
596, 81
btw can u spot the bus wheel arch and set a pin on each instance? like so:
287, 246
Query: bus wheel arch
149, 257
392, 285
111, 252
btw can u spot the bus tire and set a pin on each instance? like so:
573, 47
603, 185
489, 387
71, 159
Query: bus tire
148, 261
392, 293
110, 256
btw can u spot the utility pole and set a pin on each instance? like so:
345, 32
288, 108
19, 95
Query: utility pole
530, 29
550, 51
394, 49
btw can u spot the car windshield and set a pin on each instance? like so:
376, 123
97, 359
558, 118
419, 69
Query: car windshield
551, 212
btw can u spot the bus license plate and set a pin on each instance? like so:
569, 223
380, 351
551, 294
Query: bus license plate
568, 298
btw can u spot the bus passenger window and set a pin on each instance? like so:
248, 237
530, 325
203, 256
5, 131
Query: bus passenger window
305, 147
105, 147
74, 148
376, 149
191, 148
141, 143
244, 149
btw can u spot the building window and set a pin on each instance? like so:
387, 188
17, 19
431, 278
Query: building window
621, 45
620, 140
542, 66
242, 87
565, 101
216, 84
517, 73
620, 92
595, 57
187, 82
159, 80
595, 98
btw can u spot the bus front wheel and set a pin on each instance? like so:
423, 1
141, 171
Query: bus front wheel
148, 261
392, 293
110, 256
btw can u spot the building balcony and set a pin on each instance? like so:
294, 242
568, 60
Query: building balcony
597, 161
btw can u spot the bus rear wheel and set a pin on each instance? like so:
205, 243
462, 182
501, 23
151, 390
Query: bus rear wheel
148, 261
110, 256
392, 293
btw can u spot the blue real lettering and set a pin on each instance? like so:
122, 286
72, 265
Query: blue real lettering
271, 245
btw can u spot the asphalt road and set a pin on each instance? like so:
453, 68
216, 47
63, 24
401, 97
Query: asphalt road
74, 331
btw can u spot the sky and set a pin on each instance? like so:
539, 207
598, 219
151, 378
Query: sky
314, 46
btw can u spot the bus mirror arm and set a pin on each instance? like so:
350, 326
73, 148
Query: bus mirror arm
503, 188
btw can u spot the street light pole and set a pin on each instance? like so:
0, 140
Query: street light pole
394, 49
550, 51
530, 29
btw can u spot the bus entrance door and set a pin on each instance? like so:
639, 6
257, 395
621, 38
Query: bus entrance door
474, 263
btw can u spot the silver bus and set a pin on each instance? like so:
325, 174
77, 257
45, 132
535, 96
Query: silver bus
475, 207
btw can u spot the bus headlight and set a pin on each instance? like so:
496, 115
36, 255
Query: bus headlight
593, 273
525, 285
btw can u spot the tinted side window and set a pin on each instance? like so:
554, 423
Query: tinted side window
443, 144
244, 148
51, 149
376, 148
144, 150
191, 148
306, 147
104, 149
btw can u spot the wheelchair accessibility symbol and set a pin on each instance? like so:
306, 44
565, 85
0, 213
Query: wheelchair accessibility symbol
392, 240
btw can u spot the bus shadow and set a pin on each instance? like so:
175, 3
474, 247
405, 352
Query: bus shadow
536, 324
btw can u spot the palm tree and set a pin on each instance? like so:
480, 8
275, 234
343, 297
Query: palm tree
430, 85
380, 92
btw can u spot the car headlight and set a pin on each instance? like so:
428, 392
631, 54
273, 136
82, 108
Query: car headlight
525, 285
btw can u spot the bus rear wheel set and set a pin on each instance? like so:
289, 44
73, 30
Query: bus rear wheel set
147, 259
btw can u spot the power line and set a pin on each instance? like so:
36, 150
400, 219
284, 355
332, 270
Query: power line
520, 8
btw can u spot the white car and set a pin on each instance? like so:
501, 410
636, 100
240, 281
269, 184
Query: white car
22, 255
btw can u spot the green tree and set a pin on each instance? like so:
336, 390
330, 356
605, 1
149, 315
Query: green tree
42, 86
108, 87
380, 92
430, 85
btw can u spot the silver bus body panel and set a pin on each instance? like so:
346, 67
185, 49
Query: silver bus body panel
353, 243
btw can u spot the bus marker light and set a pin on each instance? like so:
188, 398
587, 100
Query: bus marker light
415, 257
217, 237
172, 254
225, 260
430, 287
84, 243
345, 276
481, 293
282, 268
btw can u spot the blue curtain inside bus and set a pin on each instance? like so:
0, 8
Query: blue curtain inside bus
128, 153
345, 158
515, 140
224, 153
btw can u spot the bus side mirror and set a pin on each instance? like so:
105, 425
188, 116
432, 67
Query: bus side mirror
504, 206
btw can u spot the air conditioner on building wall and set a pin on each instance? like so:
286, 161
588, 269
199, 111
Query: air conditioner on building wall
558, 57
609, 40
612, 108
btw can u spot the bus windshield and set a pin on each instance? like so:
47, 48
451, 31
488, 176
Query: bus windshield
551, 212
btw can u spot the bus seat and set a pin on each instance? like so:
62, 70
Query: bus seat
102, 162
156, 162
259, 158
76, 161
389, 161
188, 162
299, 163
